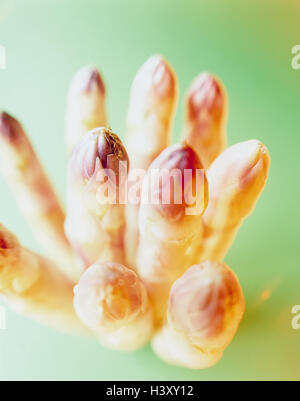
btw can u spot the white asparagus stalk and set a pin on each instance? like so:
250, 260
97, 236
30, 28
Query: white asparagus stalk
150, 115
33, 286
205, 308
86, 108
236, 180
95, 220
34, 193
111, 300
206, 116
170, 229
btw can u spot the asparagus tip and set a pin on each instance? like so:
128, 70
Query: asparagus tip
3, 244
9, 127
156, 74
95, 79
184, 165
163, 78
254, 161
204, 299
102, 144
7, 239
86, 80
206, 93
108, 294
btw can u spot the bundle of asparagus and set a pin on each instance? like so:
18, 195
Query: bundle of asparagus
145, 249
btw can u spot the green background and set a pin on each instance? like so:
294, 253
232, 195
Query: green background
248, 44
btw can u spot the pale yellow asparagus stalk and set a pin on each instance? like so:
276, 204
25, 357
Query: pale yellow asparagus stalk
205, 308
33, 286
206, 116
170, 229
236, 180
111, 300
34, 193
86, 108
97, 175
150, 115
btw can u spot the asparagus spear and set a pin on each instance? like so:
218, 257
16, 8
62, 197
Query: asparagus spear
206, 115
86, 108
150, 115
168, 233
33, 286
34, 193
95, 222
236, 180
205, 308
112, 301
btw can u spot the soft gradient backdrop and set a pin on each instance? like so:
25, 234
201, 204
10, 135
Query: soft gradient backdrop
248, 44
